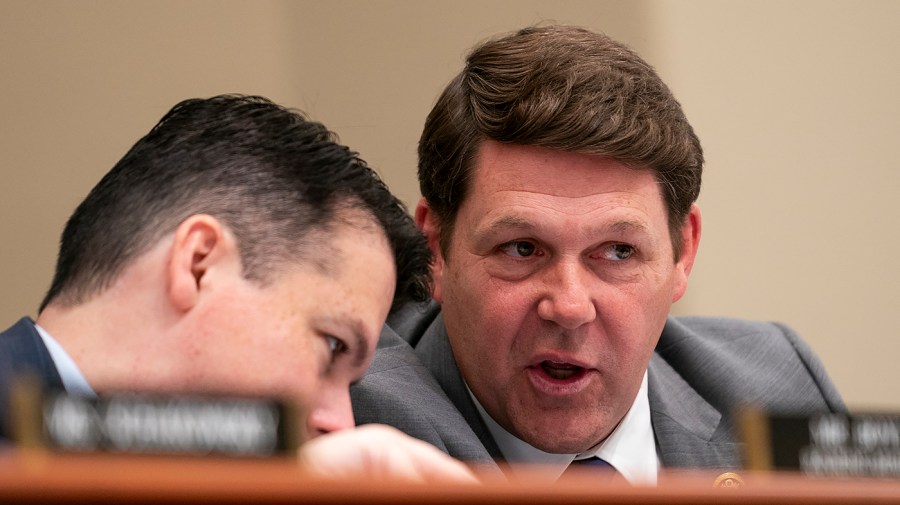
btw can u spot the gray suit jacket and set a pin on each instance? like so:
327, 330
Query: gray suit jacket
702, 371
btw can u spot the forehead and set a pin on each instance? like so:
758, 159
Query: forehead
349, 231
520, 175
356, 285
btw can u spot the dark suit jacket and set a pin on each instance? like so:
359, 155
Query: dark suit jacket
702, 371
23, 351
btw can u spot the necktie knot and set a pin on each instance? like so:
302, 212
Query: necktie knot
593, 466
593, 463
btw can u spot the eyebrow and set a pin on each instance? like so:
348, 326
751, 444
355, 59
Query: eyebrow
361, 350
361, 345
520, 223
358, 345
504, 223
629, 226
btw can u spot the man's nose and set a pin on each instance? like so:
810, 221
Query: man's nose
567, 299
333, 412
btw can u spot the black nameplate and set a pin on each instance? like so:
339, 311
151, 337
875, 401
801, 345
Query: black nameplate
138, 423
825, 445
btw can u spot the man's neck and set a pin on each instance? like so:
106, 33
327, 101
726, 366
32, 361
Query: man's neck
110, 343
630, 448
72, 378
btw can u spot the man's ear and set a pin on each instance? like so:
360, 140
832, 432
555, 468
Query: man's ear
427, 221
690, 241
201, 242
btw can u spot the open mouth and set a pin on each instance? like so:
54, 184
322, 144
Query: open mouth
560, 371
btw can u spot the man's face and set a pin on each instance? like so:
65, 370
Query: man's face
556, 285
306, 336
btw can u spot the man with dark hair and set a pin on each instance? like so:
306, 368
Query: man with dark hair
560, 177
236, 248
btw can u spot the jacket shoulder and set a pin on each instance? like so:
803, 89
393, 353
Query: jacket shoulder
733, 362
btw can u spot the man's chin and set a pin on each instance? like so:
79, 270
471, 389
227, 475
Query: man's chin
565, 446
561, 440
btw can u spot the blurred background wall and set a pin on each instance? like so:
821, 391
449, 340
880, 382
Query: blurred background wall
796, 103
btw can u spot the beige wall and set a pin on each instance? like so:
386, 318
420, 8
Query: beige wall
796, 104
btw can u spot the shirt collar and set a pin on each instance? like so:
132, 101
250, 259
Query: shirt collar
630, 448
72, 378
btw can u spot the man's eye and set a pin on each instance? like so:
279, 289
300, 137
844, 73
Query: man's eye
518, 248
618, 252
336, 346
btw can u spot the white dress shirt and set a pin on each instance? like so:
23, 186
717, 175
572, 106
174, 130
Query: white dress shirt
72, 378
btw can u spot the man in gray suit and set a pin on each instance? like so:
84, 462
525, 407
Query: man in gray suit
560, 177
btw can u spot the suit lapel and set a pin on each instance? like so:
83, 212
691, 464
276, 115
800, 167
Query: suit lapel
689, 431
22, 350
434, 350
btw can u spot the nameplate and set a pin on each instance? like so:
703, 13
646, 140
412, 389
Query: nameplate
140, 423
824, 445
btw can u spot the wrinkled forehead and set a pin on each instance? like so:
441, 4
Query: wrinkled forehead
512, 167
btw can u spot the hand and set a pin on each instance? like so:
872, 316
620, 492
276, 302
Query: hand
378, 451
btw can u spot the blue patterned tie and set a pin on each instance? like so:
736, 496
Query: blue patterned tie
593, 463
597, 466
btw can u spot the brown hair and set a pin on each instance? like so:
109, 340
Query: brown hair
279, 181
565, 88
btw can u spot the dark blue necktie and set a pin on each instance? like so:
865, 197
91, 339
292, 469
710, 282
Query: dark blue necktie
594, 465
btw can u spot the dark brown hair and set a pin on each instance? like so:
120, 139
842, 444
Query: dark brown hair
565, 88
279, 181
